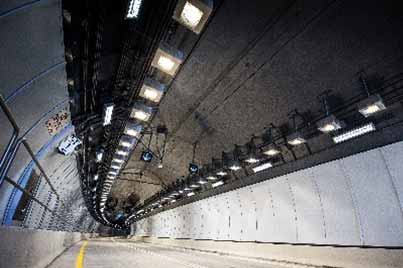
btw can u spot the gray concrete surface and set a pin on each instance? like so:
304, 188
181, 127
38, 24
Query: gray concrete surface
119, 254
290, 255
27, 248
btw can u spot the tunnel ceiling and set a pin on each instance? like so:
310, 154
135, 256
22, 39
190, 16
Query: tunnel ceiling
253, 63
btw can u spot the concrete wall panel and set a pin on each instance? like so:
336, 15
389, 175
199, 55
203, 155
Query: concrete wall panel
352, 201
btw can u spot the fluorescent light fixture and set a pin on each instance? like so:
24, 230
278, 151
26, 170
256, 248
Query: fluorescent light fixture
152, 90
234, 167
134, 9
112, 172
141, 112
201, 181
193, 14
371, 105
122, 152
216, 184
211, 178
108, 110
221, 173
187, 188
190, 194
95, 177
354, 133
194, 186
140, 211
262, 167
127, 141
252, 160
133, 129
329, 124
167, 60
296, 139
116, 166
173, 200
272, 150
181, 191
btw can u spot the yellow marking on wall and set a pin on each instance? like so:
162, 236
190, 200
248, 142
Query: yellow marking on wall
80, 256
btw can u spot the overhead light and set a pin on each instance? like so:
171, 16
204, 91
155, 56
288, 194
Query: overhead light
262, 167
127, 141
222, 173
272, 150
252, 160
121, 152
234, 167
372, 105
354, 133
167, 60
173, 200
201, 181
194, 186
108, 110
95, 177
193, 14
133, 9
216, 184
116, 166
187, 188
296, 139
190, 194
181, 191
152, 90
118, 160
329, 124
113, 172
160, 165
211, 178
141, 112
133, 129
99, 155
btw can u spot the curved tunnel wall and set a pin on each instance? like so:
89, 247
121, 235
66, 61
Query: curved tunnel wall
355, 200
33, 83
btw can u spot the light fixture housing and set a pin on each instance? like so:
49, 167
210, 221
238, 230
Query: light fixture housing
252, 160
272, 150
133, 9
329, 124
216, 184
133, 129
193, 14
353, 133
141, 112
296, 139
372, 105
262, 167
107, 114
167, 60
127, 141
152, 90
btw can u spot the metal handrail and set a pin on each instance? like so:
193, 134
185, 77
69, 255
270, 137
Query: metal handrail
12, 149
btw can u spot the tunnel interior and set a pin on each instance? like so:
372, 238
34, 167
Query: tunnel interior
265, 122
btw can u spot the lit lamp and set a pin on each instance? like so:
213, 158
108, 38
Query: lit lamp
167, 60
108, 110
296, 139
193, 14
152, 90
141, 112
329, 124
133, 9
272, 150
127, 141
373, 104
133, 129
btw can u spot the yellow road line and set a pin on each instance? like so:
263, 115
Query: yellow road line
80, 256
